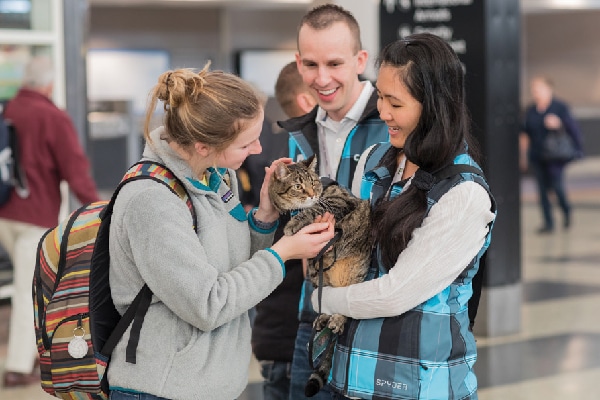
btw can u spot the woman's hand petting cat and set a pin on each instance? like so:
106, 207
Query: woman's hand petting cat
307, 242
327, 217
266, 212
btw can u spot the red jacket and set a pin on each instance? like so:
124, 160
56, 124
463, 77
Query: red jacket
50, 152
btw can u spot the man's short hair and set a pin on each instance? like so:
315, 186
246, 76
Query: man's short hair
38, 73
325, 15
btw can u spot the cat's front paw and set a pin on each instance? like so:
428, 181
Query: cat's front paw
321, 322
288, 231
291, 228
297, 222
336, 323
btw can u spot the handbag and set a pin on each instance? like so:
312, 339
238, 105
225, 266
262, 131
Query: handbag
558, 146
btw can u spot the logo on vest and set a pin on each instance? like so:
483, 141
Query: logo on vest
391, 384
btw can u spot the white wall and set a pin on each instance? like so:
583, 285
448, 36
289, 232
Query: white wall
190, 36
193, 35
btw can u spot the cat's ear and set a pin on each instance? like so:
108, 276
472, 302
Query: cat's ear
281, 171
311, 162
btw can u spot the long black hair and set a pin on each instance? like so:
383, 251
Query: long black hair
434, 76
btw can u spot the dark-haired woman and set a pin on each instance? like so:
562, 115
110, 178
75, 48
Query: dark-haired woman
410, 335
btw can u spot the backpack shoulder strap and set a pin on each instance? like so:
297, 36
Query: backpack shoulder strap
369, 184
454, 169
450, 175
159, 173
375, 155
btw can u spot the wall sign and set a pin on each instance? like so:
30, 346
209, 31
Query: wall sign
460, 22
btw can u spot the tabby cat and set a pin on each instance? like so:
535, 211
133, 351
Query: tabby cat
296, 188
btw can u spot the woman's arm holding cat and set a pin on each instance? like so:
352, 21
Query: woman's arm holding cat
450, 236
308, 241
266, 212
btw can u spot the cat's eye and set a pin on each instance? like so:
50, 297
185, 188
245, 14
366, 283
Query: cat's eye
298, 186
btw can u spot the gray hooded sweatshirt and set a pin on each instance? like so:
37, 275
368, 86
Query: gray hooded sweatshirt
195, 340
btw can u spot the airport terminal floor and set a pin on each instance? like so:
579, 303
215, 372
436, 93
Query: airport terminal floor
556, 355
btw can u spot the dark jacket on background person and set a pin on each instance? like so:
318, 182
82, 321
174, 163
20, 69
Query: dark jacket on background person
537, 131
276, 321
252, 172
50, 153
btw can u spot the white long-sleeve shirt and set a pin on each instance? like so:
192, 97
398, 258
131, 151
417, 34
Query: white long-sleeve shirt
451, 235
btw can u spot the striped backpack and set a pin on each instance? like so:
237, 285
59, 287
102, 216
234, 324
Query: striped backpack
76, 323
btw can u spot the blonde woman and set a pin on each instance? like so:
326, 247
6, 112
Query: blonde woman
195, 339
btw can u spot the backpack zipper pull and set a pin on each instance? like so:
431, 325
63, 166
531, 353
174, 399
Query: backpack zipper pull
78, 347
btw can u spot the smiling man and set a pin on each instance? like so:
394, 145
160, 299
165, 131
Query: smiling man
345, 122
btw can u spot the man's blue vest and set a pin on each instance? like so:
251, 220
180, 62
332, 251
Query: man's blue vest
304, 142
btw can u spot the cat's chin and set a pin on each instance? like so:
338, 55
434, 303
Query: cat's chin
298, 207
309, 203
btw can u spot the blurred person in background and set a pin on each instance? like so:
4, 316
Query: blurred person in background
50, 153
546, 114
252, 172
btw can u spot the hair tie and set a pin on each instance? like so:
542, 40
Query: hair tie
423, 180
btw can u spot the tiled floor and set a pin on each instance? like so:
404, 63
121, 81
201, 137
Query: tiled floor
556, 355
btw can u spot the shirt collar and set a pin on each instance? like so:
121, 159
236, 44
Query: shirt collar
357, 109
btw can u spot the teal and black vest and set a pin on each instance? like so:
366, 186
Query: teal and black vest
304, 142
393, 358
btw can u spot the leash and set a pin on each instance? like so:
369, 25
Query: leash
325, 333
